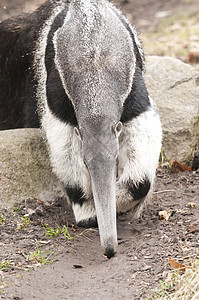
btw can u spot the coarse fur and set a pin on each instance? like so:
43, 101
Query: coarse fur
79, 175
82, 65
138, 157
18, 41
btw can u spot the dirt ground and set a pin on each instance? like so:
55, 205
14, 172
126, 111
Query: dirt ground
79, 270
42, 266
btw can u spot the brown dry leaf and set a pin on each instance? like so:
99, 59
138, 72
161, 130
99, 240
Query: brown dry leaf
192, 204
41, 202
176, 167
193, 58
194, 227
164, 214
174, 264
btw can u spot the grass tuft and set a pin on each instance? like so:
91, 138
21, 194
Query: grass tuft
25, 223
2, 219
16, 208
5, 265
52, 232
39, 257
179, 287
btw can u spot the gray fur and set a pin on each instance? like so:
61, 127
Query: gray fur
95, 58
99, 55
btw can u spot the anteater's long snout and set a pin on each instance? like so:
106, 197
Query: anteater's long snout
100, 151
103, 181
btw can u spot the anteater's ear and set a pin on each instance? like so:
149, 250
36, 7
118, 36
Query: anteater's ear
118, 128
77, 133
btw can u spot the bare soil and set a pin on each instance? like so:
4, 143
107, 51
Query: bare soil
79, 270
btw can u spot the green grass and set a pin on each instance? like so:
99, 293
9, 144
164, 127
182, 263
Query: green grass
179, 287
25, 222
16, 208
5, 265
163, 160
2, 286
53, 232
163, 289
2, 219
39, 257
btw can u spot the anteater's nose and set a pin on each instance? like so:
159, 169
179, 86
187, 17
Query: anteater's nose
110, 252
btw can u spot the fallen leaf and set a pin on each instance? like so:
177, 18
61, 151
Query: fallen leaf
41, 202
194, 227
193, 58
176, 167
192, 204
174, 264
164, 214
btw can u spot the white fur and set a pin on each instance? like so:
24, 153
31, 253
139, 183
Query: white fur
139, 142
84, 211
140, 145
66, 153
139, 149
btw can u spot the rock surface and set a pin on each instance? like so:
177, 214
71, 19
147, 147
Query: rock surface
174, 86
25, 170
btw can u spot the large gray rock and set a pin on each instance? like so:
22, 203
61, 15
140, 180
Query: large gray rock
25, 170
174, 86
